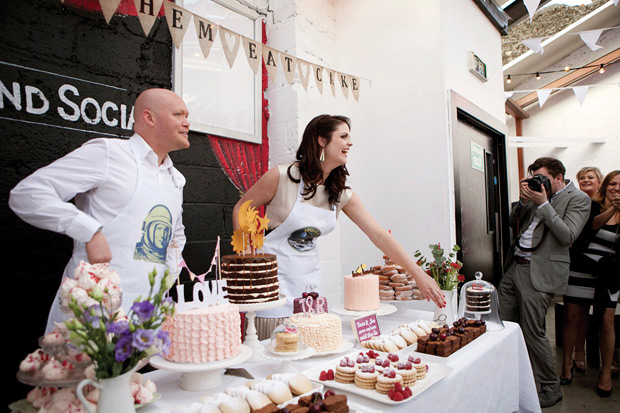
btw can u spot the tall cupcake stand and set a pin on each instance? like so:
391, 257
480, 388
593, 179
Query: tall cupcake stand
251, 336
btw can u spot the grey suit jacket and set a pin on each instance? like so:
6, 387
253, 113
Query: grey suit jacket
565, 218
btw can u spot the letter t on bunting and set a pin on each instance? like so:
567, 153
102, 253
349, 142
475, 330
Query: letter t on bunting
289, 63
178, 19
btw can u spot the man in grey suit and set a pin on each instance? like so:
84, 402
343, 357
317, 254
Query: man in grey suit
549, 216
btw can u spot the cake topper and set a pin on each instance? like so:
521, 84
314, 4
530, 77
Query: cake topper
359, 270
307, 307
205, 294
251, 230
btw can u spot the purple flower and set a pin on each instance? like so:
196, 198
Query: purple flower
118, 327
123, 348
142, 339
144, 310
165, 340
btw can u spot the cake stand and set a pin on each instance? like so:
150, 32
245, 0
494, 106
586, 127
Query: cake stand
205, 376
384, 309
251, 338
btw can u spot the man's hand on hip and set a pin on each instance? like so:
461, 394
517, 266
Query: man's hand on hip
98, 250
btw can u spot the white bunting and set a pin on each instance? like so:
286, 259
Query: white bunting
331, 79
580, 93
543, 95
178, 20
355, 87
317, 71
590, 38
147, 13
253, 51
344, 82
205, 31
531, 6
288, 66
230, 45
534, 45
508, 95
303, 68
271, 58
108, 7
616, 2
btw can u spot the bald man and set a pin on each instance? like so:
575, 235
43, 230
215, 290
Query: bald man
128, 197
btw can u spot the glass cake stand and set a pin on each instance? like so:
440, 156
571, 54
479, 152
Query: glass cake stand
251, 338
384, 309
204, 376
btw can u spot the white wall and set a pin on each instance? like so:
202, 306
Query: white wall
562, 117
400, 164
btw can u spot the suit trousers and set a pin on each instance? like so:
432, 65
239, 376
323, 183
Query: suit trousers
521, 303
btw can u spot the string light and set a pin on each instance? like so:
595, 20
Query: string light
602, 69
508, 80
566, 68
538, 76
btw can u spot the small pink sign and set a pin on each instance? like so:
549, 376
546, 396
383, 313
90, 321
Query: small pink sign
365, 327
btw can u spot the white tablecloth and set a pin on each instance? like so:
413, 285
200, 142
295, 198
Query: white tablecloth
491, 374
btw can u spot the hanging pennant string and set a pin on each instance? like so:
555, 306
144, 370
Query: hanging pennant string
560, 88
547, 37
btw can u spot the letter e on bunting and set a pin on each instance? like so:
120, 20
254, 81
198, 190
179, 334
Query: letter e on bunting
108, 7
318, 77
178, 19
303, 68
147, 13
270, 57
355, 87
230, 45
288, 66
205, 31
253, 51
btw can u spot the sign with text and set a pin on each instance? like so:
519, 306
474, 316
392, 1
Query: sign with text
365, 327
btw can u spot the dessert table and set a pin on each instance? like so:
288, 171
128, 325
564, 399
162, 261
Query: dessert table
491, 374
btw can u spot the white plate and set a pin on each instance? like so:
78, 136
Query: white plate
436, 372
294, 400
346, 345
268, 352
161, 363
384, 309
438, 359
269, 348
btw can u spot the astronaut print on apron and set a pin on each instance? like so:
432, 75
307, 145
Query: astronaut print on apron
138, 238
294, 242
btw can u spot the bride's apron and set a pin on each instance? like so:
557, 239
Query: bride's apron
294, 242
138, 238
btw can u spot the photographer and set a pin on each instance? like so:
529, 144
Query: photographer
548, 218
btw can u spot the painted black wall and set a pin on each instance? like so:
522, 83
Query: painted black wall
46, 45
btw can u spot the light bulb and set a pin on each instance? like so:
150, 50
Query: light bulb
537, 75
566, 68
602, 69
508, 80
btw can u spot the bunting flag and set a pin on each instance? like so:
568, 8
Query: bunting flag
108, 7
355, 87
178, 20
253, 52
303, 68
534, 45
331, 78
289, 63
147, 13
205, 31
616, 2
344, 84
317, 71
590, 38
230, 45
271, 57
580, 93
543, 95
531, 6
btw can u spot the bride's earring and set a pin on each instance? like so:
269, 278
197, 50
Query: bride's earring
322, 157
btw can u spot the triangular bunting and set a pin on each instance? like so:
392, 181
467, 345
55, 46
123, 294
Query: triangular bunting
508, 95
147, 13
531, 6
590, 38
253, 51
317, 71
355, 87
331, 79
288, 66
580, 93
205, 31
543, 95
271, 58
230, 45
108, 7
344, 82
178, 20
303, 68
534, 45
616, 2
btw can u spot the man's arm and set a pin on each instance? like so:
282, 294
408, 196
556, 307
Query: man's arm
568, 228
42, 199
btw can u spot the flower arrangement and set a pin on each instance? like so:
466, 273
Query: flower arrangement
117, 343
445, 271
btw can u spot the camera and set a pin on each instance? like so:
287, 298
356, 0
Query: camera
537, 182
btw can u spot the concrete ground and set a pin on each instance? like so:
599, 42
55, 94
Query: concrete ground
580, 396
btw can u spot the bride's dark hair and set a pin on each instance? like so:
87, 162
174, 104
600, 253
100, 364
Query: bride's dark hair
308, 156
